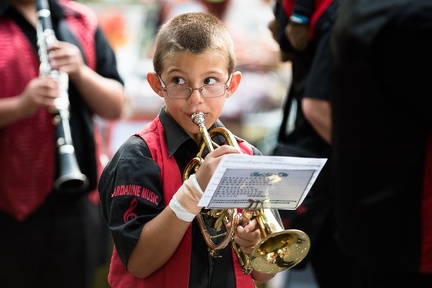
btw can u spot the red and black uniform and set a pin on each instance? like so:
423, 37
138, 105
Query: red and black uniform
136, 185
49, 236
382, 139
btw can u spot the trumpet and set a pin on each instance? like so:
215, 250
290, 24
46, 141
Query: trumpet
278, 249
212, 218
70, 179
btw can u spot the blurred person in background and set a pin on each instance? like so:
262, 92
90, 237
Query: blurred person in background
382, 140
302, 29
52, 238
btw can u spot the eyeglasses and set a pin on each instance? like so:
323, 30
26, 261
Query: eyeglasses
206, 90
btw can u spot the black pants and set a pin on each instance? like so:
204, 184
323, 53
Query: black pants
60, 245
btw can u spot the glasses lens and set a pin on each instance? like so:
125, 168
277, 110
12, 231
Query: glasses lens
209, 91
178, 92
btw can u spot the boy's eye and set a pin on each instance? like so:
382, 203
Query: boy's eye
179, 81
210, 81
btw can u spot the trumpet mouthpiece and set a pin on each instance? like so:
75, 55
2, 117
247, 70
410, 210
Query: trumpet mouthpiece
198, 118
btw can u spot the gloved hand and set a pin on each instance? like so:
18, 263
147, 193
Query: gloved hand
298, 35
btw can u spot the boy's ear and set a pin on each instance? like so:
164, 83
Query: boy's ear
235, 82
155, 84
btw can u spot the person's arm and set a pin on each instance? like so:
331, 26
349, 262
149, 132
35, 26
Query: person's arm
297, 30
158, 241
277, 28
104, 94
161, 236
318, 113
146, 240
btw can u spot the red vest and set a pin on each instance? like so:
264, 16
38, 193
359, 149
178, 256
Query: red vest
175, 273
426, 255
27, 148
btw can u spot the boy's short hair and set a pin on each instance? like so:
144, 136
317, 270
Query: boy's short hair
196, 33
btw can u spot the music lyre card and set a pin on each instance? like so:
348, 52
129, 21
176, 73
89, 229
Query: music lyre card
278, 182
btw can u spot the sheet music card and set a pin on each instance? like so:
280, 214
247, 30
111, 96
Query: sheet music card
280, 182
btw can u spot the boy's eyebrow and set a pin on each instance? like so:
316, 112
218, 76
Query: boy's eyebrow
205, 74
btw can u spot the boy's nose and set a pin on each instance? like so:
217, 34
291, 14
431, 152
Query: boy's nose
196, 95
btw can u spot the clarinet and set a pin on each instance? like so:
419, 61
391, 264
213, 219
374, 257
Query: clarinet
70, 179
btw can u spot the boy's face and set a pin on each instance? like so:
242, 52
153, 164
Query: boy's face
186, 69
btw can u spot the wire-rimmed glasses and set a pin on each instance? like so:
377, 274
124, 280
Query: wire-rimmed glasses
206, 90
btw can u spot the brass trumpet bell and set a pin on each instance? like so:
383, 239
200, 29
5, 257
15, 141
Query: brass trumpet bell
280, 251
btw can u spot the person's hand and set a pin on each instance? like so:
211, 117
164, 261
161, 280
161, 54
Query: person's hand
247, 235
39, 92
67, 58
298, 35
185, 201
211, 162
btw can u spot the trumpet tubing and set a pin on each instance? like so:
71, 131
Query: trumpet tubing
195, 163
214, 219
